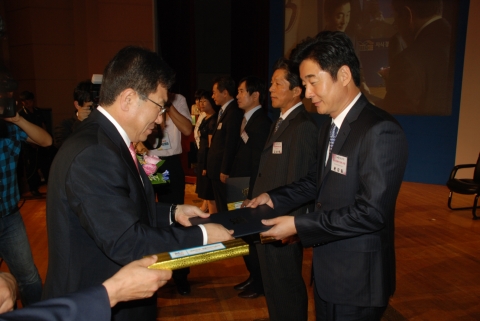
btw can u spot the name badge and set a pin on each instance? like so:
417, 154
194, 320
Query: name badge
219, 126
244, 136
339, 164
165, 142
277, 148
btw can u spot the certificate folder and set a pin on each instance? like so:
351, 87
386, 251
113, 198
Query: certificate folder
237, 191
200, 255
244, 221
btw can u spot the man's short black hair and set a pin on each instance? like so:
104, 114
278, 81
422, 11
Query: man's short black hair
26, 95
331, 50
291, 72
255, 84
82, 93
226, 83
137, 68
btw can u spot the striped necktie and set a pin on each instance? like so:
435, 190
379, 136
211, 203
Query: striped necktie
134, 155
277, 124
220, 113
244, 123
333, 135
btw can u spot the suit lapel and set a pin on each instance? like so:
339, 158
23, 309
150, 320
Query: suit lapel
223, 116
273, 136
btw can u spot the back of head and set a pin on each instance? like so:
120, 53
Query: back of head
82, 93
422, 9
255, 84
226, 83
331, 50
26, 95
137, 68
291, 74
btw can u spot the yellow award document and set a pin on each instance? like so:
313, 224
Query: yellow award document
200, 255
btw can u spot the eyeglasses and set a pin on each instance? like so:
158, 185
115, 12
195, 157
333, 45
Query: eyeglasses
162, 108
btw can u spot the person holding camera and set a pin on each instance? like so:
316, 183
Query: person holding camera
83, 102
14, 246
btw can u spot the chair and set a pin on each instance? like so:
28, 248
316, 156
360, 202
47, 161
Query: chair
465, 186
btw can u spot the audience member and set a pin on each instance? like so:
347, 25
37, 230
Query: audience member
34, 158
355, 183
14, 246
207, 127
82, 101
101, 210
288, 154
224, 139
131, 282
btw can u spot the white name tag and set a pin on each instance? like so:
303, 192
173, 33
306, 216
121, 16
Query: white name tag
219, 126
277, 148
339, 164
197, 250
244, 136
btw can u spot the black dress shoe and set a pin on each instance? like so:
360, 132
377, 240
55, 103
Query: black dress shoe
242, 286
249, 294
183, 287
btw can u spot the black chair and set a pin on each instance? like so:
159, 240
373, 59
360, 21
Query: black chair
465, 186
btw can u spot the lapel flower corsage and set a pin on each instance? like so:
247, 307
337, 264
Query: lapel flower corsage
150, 164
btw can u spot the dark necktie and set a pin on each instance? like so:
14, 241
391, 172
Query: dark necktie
244, 123
220, 113
277, 124
333, 135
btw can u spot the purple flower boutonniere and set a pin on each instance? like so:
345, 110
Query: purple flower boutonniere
150, 164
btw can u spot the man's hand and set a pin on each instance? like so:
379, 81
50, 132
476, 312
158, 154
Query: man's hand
184, 212
204, 172
217, 233
261, 199
8, 292
83, 113
14, 119
282, 227
223, 177
135, 281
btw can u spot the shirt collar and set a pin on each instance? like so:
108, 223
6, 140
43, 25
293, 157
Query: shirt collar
119, 128
249, 113
224, 106
289, 111
339, 119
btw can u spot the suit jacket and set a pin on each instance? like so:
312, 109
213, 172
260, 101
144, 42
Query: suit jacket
419, 81
101, 216
247, 156
224, 141
87, 305
298, 134
352, 228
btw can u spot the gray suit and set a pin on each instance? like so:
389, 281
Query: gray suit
281, 265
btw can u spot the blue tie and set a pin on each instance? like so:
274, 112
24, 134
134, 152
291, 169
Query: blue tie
333, 135
277, 124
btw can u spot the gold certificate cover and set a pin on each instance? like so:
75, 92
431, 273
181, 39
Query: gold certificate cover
199, 255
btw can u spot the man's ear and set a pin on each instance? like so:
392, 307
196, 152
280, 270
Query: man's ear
297, 91
127, 98
77, 106
344, 75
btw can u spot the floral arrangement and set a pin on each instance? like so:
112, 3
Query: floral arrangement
150, 164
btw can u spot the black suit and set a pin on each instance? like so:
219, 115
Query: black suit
245, 164
100, 216
222, 151
281, 265
88, 305
352, 227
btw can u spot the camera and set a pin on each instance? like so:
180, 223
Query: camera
8, 106
95, 88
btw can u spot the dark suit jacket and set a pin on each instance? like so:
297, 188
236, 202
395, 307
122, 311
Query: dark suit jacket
419, 81
352, 228
224, 142
100, 216
298, 134
87, 305
247, 156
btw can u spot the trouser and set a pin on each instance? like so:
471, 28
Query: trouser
15, 251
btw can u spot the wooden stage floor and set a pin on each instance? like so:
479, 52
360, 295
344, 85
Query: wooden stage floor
438, 265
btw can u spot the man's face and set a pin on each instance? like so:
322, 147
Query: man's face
244, 99
218, 96
341, 18
327, 95
88, 104
145, 114
280, 93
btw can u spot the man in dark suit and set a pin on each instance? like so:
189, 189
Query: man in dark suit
419, 79
355, 184
224, 139
253, 135
289, 152
134, 281
101, 210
